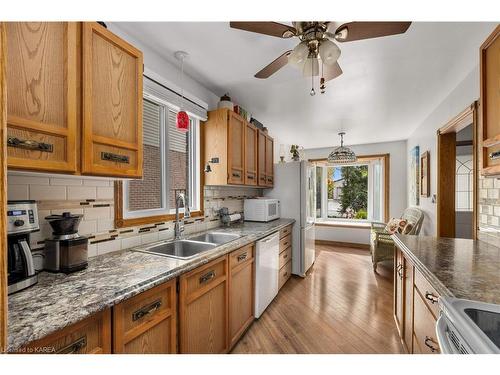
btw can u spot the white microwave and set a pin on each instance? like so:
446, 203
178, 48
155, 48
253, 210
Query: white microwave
261, 209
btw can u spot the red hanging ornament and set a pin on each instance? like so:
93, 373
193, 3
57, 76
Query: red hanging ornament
182, 121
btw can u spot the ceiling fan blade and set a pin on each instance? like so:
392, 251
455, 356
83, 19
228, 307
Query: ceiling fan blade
351, 31
268, 28
273, 67
331, 71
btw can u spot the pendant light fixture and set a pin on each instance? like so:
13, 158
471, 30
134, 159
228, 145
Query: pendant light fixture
341, 154
182, 121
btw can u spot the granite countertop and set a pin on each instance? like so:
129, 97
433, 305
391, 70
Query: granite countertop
461, 268
59, 300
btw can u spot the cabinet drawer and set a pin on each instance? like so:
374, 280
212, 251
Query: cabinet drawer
144, 310
424, 328
428, 293
90, 336
205, 277
285, 256
284, 274
285, 231
241, 256
285, 242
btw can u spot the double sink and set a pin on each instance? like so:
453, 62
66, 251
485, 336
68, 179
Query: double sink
191, 247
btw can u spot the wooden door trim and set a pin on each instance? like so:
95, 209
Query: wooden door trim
445, 226
3, 188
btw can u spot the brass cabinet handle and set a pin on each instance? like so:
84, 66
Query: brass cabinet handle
242, 257
285, 256
236, 175
494, 155
207, 277
74, 347
109, 156
285, 243
29, 144
250, 177
431, 297
428, 342
148, 309
262, 178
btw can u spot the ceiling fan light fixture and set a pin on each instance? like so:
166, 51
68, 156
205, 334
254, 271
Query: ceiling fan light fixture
329, 52
299, 54
341, 154
311, 67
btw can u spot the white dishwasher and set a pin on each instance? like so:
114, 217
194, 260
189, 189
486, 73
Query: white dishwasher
267, 253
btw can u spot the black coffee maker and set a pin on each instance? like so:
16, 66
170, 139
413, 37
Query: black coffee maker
66, 251
22, 219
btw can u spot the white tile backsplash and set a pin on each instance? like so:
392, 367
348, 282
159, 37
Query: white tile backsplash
66, 181
149, 237
81, 192
92, 213
108, 246
48, 193
131, 242
18, 192
105, 192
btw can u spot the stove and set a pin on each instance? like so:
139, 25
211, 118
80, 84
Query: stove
468, 327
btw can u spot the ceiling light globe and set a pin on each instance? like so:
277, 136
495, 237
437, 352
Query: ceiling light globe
329, 52
311, 67
299, 54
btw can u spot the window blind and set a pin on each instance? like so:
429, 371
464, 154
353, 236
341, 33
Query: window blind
151, 123
172, 99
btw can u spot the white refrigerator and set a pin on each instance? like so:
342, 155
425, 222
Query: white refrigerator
295, 187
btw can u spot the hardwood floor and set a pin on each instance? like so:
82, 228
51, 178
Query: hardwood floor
340, 307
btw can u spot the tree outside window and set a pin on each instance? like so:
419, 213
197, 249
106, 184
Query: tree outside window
348, 192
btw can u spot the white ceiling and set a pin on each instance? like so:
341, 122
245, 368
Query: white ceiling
388, 87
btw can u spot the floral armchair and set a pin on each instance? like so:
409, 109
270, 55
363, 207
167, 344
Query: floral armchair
381, 243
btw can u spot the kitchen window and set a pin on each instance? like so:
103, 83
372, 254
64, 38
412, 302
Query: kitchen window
352, 193
171, 164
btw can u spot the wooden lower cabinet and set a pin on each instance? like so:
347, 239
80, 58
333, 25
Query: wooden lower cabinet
241, 292
89, 336
415, 307
203, 308
147, 323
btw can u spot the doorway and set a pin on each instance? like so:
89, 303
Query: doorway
457, 171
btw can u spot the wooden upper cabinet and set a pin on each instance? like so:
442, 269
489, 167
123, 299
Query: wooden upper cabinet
490, 102
250, 154
261, 158
269, 161
112, 104
42, 79
236, 149
265, 159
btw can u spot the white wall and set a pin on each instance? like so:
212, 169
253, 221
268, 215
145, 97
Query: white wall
397, 150
425, 137
349, 235
167, 73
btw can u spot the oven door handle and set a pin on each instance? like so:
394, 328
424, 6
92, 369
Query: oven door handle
442, 337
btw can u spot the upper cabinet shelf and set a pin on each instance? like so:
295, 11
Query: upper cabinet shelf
237, 152
74, 100
490, 103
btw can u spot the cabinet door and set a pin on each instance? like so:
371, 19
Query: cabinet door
398, 290
203, 308
250, 155
241, 292
42, 75
112, 104
269, 161
408, 304
236, 149
490, 101
261, 158
146, 323
424, 328
89, 336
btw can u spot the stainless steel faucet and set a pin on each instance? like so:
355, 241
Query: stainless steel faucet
179, 223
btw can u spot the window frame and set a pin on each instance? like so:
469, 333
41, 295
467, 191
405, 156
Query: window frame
362, 159
195, 180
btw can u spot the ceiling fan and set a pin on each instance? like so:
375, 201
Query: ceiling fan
316, 47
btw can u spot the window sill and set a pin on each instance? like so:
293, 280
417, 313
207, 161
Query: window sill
344, 224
